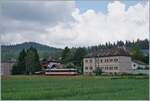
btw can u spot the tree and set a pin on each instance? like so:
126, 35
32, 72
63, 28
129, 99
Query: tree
79, 55
21, 61
120, 43
78, 58
15, 70
136, 52
19, 67
66, 55
97, 71
32, 61
146, 59
69, 65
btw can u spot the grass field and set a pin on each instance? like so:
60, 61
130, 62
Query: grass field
78, 88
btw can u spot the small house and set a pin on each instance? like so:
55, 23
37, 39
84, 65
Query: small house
136, 64
6, 67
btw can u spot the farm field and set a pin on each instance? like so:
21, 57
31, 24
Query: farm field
74, 88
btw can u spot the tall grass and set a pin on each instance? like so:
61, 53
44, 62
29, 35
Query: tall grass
79, 88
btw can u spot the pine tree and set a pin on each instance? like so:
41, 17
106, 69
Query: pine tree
32, 61
136, 52
79, 55
66, 55
78, 58
19, 67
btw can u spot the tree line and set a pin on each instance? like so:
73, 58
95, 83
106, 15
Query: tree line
27, 62
12, 51
142, 44
73, 57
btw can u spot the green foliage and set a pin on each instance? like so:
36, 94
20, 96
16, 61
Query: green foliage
32, 61
66, 53
79, 54
69, 65
16, 70
27, 63
146, 59
97, 71
73, 88
136, 52
20, 66
74, 55
21, 61
12, 51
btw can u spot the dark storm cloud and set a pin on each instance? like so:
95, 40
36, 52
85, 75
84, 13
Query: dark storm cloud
42, 12
34, 16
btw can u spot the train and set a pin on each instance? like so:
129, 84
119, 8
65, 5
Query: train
61, 72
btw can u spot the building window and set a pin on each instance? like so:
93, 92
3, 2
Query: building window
115, 68
107, 68
111, 60
115, 60
86, 60
97, 60
86, 68
90, 60
91, 68
111, 68
101, 60
106, 60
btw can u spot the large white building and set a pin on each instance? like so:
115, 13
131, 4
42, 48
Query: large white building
110, 61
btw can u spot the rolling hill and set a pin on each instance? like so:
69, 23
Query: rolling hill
12, 51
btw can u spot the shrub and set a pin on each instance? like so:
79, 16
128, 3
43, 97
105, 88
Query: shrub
97, 71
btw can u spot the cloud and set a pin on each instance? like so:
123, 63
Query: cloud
33, 16
38, 11
91, 28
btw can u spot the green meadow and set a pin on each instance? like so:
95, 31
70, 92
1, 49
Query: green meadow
74, 88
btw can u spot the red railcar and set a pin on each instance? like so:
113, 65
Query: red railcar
64, 72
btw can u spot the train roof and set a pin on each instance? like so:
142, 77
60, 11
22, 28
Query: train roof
61, 69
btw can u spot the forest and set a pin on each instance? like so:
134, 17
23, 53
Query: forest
72, 57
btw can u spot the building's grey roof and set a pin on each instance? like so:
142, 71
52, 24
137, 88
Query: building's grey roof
46, 61
139, 62
109, 52
8, 61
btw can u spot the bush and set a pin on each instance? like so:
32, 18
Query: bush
97, 71
69, 65
15, 70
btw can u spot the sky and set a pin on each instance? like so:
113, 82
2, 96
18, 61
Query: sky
73, 23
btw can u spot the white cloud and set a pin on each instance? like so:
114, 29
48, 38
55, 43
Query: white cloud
91, 28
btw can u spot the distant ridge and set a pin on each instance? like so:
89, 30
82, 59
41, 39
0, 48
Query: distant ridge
12, 51
27, 45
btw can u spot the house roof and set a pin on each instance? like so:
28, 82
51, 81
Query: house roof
46, 61
8, 61
109, 52
139, 62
